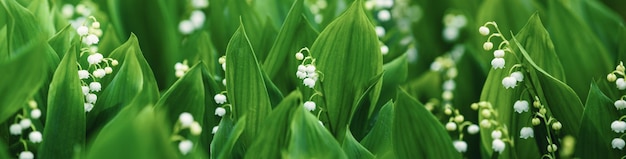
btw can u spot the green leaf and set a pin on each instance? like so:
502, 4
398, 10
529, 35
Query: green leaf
246, 89
575, 46
417, 133
363, 109
159, 37
199, 47
110, 41
280, 64
27, 72
274, 138
3, 150
226, 137
131, 77
23, 27
347, 53
379, 139
41, 10
309, 139
396, 73
597, 118
560, 99
354, 149
536, 40
136, 132
186, 95
65, 121
211, 88
61, 42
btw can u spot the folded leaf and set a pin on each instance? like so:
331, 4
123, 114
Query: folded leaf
348, 55
309, 139
65, 121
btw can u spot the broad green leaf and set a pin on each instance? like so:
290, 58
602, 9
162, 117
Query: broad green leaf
41, 10
274, 138
596, 119
211, 88
354, 149
61, 42
131, 77
65, 123
246, 89
363, 109
199, 47
309, 139
575, 46
228, 14
348, 54
27, 71
379, 139
417, 133
296, 33
23, 27
136, 132
277, 9
425, 86
604, 22
159, 37
110, 41
267, 38
186, 95
275, 95
537, 42
395, 75
559, 98
226, 137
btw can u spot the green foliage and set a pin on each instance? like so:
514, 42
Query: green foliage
376, 62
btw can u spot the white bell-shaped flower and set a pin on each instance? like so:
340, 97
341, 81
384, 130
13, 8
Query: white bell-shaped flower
498, 145
82, 30
451, 126
220, 98
27, 155
185, 119
488, 45
496, 134
35, 137
15, 129
35, 113
509, 82
618, 143
91, 98
91, 39
309, 82
618, 126
83, 74
185, 27
620, 83
99, 73
309, 105
185, 146
521, 106
88, 107
219, 111
301, 75
473, 129
214, 130
518, 76
498, 53
197, 18
460, 146
108, 70
620, 104
25, 123
497, 63
95, 58
483, 30
95, 86
526, 132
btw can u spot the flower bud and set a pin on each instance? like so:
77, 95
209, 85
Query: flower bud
552, 148
195, 128
557, 126
488, 45
451, 126
185, 146
474, 106
536, 121
185, 119
611, 77
483, 30
473, 129
299, 56
460, 146
485, 123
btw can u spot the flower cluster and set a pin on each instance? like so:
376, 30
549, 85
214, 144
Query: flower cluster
196, 17
618, 126
453, 24
498, 61
25, 123
186, 121
98, 65
499, 133
181, 68
309, 75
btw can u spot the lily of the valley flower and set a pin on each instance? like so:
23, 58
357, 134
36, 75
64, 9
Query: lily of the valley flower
35, 137
185, 146
498, 145
497, 63
220, 99
526, 132
618, 126
219, 111
185, 119
618, 143
483, 30
620, 104
26, 155
309, 105
509, 82
460, 146
521, 106
473, 129
15, 129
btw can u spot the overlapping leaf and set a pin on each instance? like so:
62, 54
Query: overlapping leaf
597, 118
417, 133
349, 41
65, 124
379, 139
246, 88
309, 139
